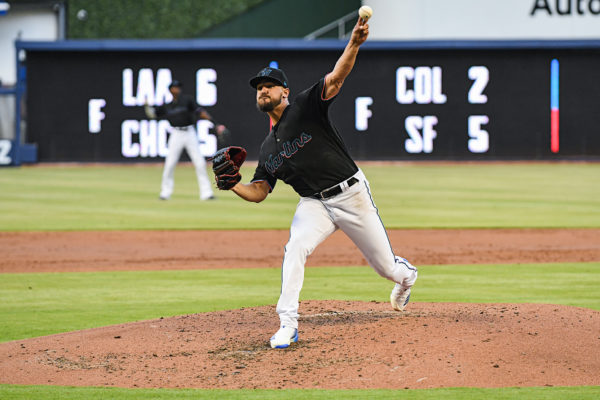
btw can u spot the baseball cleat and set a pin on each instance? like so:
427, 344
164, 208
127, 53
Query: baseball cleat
284, 337
400, 297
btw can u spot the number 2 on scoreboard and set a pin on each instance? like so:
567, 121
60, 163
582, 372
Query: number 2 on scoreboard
5, 146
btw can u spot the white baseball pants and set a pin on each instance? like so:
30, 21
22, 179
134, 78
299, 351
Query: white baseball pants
187, 139
354, 212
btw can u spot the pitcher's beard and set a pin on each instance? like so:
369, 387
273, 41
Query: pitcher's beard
267, 106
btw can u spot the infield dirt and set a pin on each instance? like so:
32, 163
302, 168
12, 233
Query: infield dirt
342, 344
158, 250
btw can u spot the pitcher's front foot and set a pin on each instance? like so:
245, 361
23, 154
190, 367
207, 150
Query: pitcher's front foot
284, 337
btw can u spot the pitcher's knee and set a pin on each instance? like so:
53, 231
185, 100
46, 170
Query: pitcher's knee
399, 270
408, 270
298, 248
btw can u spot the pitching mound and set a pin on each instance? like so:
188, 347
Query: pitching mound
343, 345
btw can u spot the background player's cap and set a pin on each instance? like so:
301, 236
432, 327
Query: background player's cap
175, 83
270, 74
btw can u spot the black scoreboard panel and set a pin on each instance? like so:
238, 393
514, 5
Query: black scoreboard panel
397, 104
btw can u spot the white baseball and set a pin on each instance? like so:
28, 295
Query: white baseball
365, 12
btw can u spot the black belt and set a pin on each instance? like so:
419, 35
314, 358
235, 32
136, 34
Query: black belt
337, 189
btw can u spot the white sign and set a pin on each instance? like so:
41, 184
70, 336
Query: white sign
484, 19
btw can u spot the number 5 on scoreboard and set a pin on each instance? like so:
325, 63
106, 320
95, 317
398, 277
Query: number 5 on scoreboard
479, 141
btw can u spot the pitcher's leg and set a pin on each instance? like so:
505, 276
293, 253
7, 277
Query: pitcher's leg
357, 216
193, 149
310, 226
175, 147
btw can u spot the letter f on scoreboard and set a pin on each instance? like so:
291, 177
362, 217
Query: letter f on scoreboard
95, 114
362, 112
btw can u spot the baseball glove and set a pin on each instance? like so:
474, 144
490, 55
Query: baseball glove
226, 166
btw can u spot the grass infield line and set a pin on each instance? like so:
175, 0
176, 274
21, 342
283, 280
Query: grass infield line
43, 304
15, 392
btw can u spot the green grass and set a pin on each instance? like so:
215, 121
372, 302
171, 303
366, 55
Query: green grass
12, 392
103, 197
109, 197
491, 195
42, 304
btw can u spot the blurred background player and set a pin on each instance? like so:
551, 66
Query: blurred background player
182, 113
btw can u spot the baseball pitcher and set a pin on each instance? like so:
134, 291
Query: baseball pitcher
305, 150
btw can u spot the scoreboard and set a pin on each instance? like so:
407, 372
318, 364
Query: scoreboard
402, 101
485, 104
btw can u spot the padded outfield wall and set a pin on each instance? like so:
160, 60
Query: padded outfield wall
467, 100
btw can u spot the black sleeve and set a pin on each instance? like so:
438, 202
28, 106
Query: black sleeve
261, 174
325, 103
192, 105
314, 97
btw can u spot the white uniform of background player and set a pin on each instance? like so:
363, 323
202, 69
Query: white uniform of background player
182, 113
306, 151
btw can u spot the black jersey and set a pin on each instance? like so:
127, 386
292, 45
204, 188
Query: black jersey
304, 149
180, 112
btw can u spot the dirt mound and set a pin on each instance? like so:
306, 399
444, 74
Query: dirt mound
349, 345
343, 345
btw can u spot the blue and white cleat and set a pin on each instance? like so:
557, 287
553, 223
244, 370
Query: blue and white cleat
284, 337
400, 297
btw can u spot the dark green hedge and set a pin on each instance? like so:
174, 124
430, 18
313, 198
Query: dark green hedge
146, 19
